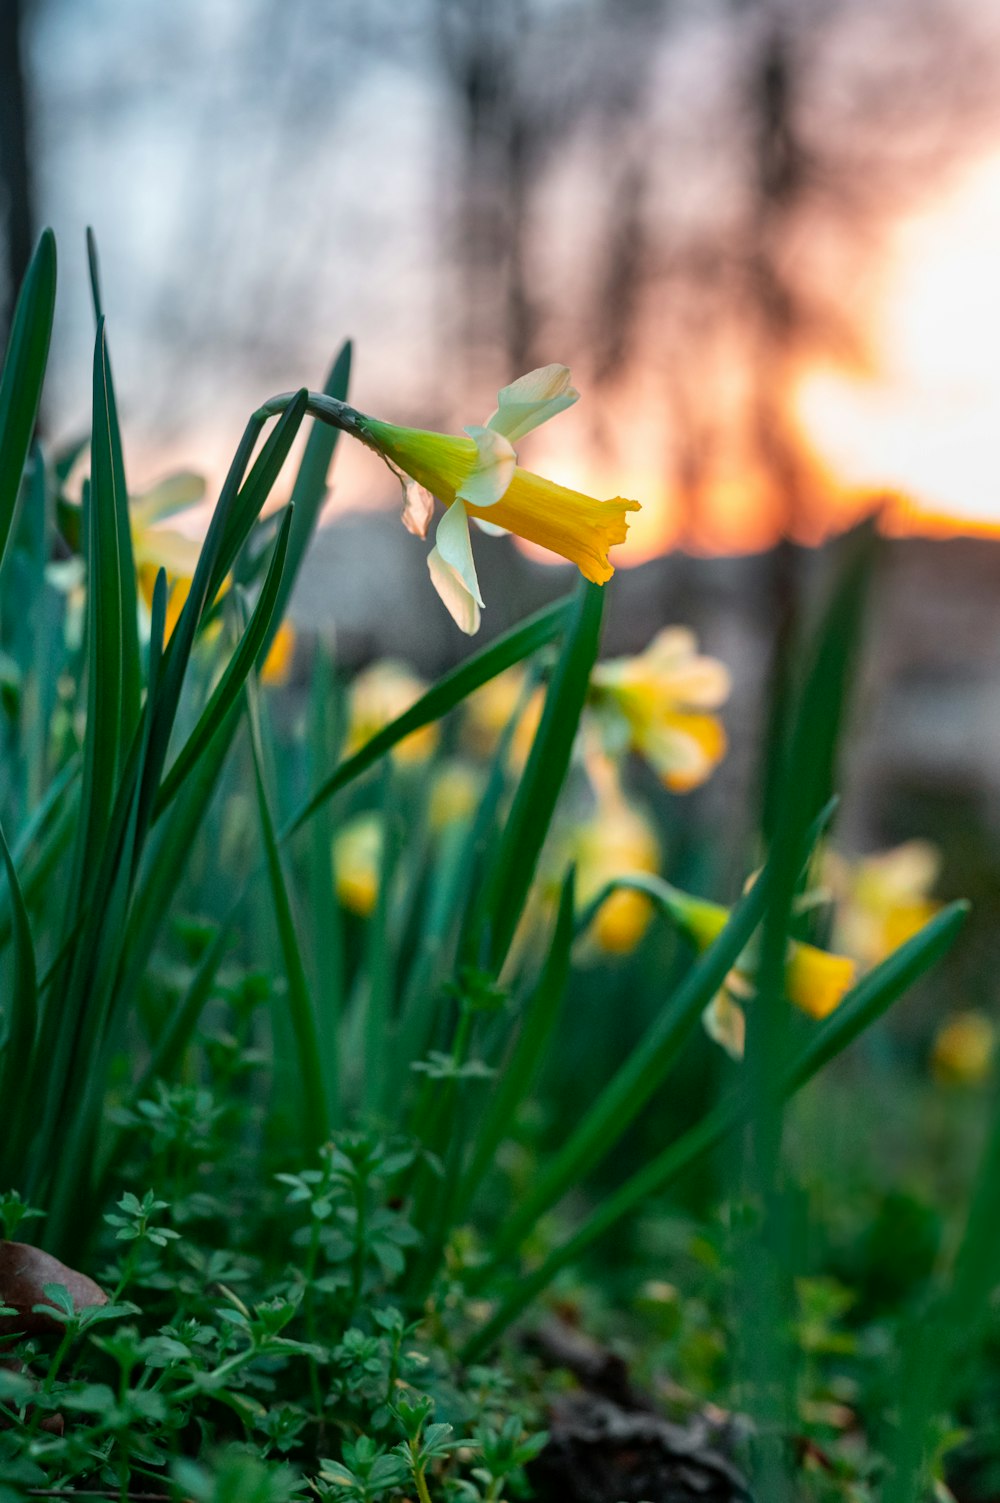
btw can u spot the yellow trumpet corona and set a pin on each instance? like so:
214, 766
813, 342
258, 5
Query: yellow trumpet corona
478, 476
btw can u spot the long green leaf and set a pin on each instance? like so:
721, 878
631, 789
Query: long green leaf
526, 1058
22, 1025
301, 1008
513, 869
253, 493
131, 694
230, 525
227, 691
310, 488
105, 655
23, 374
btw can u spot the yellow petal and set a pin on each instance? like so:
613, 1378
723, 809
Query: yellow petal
577, 527
816, 981
357, 859
177, 594
963, 1049
278, 663
167, 549
380, 694
621, 922
455, 794
684, 749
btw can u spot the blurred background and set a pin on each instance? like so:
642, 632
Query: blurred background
762, 233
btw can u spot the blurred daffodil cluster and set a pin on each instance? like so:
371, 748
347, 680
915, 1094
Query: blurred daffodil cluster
380, 694
661, 704
617, 838
657, 705
881, 900
165, 535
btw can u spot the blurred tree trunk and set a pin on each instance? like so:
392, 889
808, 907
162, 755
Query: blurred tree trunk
15, 173
782, 170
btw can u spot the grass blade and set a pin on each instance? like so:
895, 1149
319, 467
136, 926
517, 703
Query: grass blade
513, 868
302, 1012
105, 653
310, 488
22, 1025
526, 1057
23, 374
252, 646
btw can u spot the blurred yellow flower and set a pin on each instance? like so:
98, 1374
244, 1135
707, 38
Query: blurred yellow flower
815, 980
616, 841
357, 861
277, 668
882, 900
379, 695
478, 476
963, 1049
156, 547
658, 704
489, 709
455, 794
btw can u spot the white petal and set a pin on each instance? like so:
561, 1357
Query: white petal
490, 528
725, 1024
531, 400
167, 549
702, 684
175, 493
453, 570
418, 508
493, 470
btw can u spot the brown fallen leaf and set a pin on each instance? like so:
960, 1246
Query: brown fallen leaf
24, 1272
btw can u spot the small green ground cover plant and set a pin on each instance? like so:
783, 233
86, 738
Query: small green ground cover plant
287, 1130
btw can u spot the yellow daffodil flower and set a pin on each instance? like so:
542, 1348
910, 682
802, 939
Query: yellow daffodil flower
277, 666
963, 1049
156, 547
488, 711
380, 694
658, 704
617, 840
815, 980
455, 795
883, 899
357, 862
478, 476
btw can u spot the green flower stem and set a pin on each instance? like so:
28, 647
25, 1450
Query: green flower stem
419, 1477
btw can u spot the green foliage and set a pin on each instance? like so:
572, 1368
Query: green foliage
335, 1104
